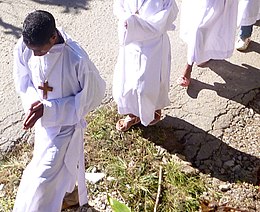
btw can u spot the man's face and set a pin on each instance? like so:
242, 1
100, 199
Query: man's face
44, 49
40, 50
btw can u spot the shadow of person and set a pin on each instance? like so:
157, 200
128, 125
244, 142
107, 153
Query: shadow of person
87, 208
11, 29
257, 23
253, 47
83, 208
204, 151
68, 5
241, 82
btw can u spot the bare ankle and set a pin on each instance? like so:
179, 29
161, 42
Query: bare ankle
187, 71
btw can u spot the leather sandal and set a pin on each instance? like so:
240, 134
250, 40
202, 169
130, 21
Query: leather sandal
127, 122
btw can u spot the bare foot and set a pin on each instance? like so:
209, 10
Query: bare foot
184, 80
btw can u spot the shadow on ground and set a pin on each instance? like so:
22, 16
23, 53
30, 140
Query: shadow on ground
84, 208
257, 23
241, 82
204, 151
10, 29
69, 6
253, 47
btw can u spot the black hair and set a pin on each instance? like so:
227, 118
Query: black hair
38, 27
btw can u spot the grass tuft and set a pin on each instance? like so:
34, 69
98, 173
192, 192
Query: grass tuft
11, 168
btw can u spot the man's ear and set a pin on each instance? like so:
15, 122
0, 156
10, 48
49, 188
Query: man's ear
53, 38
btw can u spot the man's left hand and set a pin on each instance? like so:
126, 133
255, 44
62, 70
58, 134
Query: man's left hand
35, 112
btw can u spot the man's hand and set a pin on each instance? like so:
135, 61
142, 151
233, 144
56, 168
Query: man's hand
34, 113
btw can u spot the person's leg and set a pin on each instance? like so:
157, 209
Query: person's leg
244, 37
245, 32
184, 80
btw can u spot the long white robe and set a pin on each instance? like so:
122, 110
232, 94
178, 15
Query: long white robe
58, 157
142, 73
209, 28
248, 12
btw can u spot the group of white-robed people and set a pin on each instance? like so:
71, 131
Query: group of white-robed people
58, 84
141, 76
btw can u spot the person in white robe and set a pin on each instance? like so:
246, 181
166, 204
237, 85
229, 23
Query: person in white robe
58, 85
142, 72
208, 27
248, 14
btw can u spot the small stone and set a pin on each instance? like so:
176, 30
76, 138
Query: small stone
229, 163
94, 177
229, 130
224, 187
111, 178
237, 168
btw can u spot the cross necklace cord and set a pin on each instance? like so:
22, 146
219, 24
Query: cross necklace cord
137, 9
45, 84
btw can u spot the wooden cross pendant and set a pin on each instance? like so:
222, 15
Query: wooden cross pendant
45, 88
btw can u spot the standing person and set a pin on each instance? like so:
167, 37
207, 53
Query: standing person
248, 14
142, 72
208, 27
58, 86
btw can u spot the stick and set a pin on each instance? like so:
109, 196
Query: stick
159, 190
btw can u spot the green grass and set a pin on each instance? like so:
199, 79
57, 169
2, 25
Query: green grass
134, 160
131, 160
11, 168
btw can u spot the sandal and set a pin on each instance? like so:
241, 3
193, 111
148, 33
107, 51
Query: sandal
183, 81
129, 121
157, 117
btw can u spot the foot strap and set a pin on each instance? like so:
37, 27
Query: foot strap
129, 121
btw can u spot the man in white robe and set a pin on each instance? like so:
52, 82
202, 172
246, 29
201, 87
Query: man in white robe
142, 73
208, 27
248, 14
72, 88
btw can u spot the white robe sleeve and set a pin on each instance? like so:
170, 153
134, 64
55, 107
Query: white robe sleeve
22, 80
70, 110
139, 29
